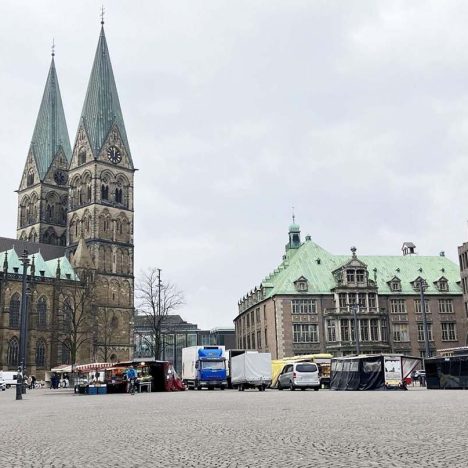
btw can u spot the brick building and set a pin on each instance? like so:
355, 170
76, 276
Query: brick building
307, 304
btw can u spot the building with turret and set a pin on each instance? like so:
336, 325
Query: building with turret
313, 300
75, 220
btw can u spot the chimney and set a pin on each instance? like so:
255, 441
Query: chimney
442, 254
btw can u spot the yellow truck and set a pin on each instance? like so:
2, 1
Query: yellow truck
323, 362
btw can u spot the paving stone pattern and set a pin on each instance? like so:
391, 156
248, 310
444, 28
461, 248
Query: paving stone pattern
233, 429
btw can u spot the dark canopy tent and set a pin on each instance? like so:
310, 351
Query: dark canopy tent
449, 372
371, 372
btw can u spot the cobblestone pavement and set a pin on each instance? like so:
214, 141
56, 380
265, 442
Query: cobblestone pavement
233, 429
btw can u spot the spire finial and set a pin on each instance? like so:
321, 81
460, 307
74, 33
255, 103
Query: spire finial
102, 14
53, 47
293, 215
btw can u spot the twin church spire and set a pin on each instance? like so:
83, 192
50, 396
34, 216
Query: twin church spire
44, 187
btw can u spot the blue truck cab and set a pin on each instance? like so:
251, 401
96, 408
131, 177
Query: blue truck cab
204, 367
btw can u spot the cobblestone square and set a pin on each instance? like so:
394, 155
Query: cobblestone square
234, 429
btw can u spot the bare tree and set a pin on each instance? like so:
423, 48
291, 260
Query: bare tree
105, 331
156, 300
76, 314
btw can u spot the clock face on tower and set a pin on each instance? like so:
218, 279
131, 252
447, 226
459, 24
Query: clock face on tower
114, 155
60, 177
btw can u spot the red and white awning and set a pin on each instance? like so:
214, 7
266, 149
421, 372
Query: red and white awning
93, 366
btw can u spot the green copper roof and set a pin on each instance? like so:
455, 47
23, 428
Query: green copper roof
101, 108
316, 264
50, 133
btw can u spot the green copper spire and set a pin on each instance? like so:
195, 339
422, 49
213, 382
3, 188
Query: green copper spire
101, 109
50, 133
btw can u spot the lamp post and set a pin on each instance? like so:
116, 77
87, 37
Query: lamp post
354, 308
20, 387
424, 317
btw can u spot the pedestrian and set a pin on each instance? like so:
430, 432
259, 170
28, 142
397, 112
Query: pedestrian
29, 381
33, 382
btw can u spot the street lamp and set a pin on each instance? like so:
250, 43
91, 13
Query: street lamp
424, 317
354, 308
25, 292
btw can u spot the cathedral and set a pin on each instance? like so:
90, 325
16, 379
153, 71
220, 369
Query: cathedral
75, 220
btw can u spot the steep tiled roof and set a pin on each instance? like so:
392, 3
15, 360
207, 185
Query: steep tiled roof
47, 251
101, 108
317, 265
50, 133
49, 267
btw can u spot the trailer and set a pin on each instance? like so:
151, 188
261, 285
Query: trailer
372, 372
251, 370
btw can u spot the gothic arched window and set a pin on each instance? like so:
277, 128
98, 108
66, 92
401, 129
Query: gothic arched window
12, 353
104, 192
40, 353
30, 179
65, 355
15, 311
42, 313
118, 195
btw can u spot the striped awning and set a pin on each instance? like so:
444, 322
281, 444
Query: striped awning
93, 366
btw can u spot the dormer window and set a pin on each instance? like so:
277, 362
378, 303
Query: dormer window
395, 284
442, 284
301, 284
416, 284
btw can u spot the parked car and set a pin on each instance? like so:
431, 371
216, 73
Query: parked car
299, 375
2, 385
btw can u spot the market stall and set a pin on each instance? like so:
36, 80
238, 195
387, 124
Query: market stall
447, 372
91, 378
372, 372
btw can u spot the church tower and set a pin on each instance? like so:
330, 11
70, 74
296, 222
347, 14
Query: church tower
100, 214
43, 190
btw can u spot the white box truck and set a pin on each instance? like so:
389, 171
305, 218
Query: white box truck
251, 370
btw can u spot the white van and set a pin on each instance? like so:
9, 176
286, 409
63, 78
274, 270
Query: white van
299, 375
10, 377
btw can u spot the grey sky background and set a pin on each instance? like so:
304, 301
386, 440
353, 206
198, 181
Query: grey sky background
355, 112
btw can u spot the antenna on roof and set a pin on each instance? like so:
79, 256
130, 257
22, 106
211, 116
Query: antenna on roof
53, 47
102, 14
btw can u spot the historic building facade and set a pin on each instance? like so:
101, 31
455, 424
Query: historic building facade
308, 304
77, 206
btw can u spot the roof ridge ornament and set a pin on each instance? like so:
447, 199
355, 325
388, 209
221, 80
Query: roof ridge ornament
53, 47
353, 250
102, 14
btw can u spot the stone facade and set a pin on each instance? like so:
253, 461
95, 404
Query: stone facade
308, 304
80, 199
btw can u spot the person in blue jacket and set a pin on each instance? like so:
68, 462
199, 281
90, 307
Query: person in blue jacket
131, 376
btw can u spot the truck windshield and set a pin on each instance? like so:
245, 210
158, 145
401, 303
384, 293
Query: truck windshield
306, 368
215, 365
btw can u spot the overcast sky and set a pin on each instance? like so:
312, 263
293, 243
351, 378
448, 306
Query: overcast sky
354, 112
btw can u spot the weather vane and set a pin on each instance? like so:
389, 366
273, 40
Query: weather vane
293, 215
102, 14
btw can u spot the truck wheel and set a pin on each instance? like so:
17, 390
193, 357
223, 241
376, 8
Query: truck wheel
199, 387
222, 388
316, 389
